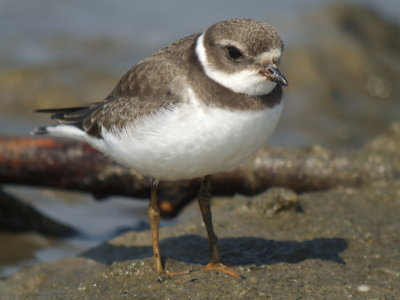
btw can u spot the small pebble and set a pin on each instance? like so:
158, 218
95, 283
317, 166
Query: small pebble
363, 288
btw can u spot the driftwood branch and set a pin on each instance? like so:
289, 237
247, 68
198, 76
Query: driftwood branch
72, 165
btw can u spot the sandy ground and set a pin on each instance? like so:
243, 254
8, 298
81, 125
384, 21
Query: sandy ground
339, 244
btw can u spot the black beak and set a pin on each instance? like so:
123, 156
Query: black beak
272, 72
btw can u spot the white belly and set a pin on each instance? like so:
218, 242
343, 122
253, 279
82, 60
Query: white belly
191, 141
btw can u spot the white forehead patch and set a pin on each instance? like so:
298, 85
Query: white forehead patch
273, 54
248, 82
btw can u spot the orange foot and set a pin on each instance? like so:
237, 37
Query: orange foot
167, 274
172, 274
220, 267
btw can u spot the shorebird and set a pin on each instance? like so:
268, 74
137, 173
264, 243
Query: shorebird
199, 106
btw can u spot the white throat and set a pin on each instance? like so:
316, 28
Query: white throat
248, 82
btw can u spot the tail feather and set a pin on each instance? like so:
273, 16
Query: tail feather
70, 115
39, 130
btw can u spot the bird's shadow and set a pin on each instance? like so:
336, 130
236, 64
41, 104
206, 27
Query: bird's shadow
235, 251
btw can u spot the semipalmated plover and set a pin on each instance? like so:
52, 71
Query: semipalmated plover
200, 106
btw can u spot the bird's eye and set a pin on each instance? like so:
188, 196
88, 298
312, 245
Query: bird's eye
234, 52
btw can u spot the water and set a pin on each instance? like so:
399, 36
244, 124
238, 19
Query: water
109, 36
26, 26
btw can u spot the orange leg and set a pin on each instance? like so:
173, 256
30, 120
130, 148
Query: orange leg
153, 214
216, 262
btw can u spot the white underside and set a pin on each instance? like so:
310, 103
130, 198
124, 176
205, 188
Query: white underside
191, 140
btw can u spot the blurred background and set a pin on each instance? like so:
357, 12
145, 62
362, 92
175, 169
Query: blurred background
342, 61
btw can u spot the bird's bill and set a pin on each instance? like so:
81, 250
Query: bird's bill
271, 72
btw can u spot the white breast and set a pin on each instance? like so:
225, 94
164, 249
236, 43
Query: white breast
191, 141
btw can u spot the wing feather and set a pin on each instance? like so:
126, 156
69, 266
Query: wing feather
142, 91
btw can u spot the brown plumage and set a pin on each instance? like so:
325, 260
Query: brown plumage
199, 106
157, 81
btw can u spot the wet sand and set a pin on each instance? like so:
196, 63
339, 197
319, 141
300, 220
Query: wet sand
342, 244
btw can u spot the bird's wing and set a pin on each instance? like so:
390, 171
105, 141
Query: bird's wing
155, 83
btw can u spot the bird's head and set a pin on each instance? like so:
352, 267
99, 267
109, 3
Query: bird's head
242, 55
